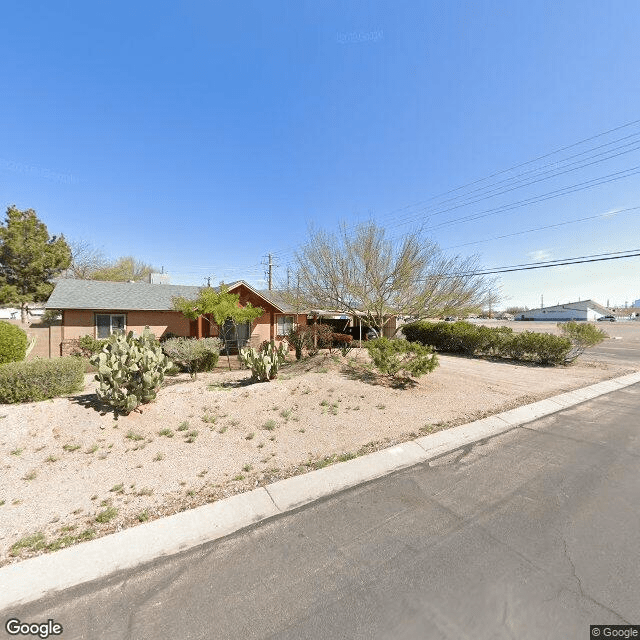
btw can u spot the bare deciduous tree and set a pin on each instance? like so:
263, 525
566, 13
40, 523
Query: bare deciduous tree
124, 269
85, 260
364, 272
89, 263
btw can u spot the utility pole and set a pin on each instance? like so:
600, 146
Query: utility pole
270, 273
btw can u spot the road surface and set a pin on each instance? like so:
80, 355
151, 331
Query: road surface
532, 534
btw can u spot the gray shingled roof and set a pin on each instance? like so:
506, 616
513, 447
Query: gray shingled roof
134, 296
274, 298
94, 294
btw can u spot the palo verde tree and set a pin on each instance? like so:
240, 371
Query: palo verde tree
221, 309
29, 259
362, 271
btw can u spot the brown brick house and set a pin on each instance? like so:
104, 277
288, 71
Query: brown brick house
91, 307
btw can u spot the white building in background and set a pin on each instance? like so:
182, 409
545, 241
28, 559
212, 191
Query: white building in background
581, 310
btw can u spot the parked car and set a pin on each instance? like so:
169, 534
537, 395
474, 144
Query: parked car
607, 319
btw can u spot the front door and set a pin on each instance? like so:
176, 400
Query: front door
244, 332
236, 337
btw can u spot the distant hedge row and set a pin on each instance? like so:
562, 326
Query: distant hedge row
501, 342
40, 379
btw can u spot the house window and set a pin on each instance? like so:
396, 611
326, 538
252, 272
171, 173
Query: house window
285, 324
108, 323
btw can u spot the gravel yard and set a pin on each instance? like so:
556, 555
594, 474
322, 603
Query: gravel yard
72, 471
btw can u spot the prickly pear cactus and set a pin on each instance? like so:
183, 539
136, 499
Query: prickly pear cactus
265, 362
130, 370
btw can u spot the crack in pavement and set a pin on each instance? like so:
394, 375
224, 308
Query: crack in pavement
581, 590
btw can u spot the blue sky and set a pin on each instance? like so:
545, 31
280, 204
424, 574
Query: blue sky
200, 136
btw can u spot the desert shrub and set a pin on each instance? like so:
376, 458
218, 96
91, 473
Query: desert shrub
87, 346
452, 337
40, 379
400, 358
193, 354
299, 338
13, 343
320, 337
343, 341
477, 340
543, 348
265, 361
130, 370
582, 335
311, 338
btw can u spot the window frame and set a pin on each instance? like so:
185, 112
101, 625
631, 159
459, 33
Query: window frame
294, 322
111, 316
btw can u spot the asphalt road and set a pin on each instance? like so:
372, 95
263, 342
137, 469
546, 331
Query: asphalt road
532, 534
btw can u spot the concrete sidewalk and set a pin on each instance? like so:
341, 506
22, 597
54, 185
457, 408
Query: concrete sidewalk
32, 579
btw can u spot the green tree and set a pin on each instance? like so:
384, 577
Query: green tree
29, 259
218, 307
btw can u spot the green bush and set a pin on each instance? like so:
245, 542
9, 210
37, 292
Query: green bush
582, 335
400, 358
543, 348
130, 370
87, 346
477, 340
13, 343
193, 354
40, 379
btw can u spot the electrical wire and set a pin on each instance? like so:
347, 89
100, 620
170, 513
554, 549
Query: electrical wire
541, 265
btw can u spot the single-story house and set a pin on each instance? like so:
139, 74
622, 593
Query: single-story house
581, 310
95, 308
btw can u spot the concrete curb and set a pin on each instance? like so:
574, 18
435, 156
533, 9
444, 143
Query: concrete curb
34, 578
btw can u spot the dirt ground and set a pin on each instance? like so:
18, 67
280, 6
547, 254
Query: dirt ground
71, 470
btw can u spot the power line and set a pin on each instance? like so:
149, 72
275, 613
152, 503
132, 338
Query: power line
291, 250
607, 214
492, 194
574, 188
543, 265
